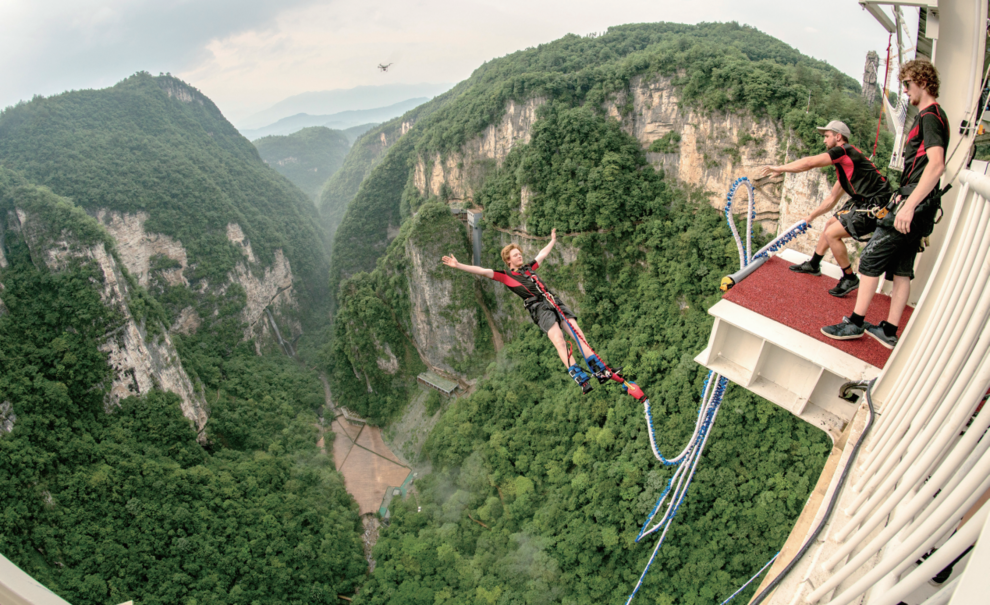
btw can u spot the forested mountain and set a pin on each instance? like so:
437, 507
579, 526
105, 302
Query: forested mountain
537, 493
307, 157
157, 152
143, 243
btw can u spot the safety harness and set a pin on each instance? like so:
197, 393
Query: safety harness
602, 372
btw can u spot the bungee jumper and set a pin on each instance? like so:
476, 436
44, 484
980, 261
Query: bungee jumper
550, 314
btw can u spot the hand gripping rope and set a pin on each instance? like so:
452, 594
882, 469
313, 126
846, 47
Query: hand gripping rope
711, 398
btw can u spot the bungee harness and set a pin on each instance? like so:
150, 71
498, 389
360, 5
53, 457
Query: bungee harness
595, 363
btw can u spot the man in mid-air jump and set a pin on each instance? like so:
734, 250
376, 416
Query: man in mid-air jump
548, 312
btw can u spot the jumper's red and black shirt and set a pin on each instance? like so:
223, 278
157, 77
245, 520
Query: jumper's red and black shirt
858, 176
930, 129
518, 282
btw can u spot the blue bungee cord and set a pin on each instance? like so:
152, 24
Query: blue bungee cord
711, 398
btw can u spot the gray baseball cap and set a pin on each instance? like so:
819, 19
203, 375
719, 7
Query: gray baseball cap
836, 126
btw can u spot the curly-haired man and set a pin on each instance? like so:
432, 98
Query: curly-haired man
897, 239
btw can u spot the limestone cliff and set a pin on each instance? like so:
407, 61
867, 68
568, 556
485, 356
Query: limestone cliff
463, 172
265, 287
443, 327
140, 361
716, 149
712, 151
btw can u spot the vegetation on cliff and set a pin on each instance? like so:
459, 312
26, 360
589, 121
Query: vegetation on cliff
538, 492
104, 506
156, 145
307, 157
375, 311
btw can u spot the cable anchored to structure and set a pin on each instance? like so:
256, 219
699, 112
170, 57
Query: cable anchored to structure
712, 392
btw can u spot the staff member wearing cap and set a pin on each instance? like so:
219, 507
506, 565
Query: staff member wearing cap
867, 189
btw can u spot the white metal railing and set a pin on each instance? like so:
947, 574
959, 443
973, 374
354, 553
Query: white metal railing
928, 459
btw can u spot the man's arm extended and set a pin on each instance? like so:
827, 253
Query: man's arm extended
450, 261
929, 181
546, 249
827, 204
803, 165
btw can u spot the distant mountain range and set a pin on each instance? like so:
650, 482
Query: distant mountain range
343, 120
308, 157
335, 101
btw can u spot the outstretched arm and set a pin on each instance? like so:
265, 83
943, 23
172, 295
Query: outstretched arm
545, 252
450, 261
803, 165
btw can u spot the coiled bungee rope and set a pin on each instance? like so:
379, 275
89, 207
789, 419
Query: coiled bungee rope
711, 398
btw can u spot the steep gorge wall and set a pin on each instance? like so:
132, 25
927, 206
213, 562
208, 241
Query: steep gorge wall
714, 150
441, 325
464, 171
140, 361
265, 287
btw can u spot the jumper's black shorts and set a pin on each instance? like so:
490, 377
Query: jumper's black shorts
860, 225
544, 315
891, 252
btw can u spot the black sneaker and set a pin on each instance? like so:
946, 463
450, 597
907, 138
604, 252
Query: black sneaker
847, 284
877, 332
846, 330
806, 267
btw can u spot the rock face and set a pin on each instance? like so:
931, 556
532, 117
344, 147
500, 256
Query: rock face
140, 361
137, 247
444, 330
717, 149
7, 418
265, 286
388, 362
272, 288
714, 150
463, 172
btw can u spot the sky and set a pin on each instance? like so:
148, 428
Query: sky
246, 55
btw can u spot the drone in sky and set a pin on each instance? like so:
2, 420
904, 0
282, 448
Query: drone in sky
384, 67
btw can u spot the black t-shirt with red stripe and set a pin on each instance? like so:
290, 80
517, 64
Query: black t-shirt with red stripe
930, 129
518, 282
858, 176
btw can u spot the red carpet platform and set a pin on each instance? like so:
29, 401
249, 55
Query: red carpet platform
802, 302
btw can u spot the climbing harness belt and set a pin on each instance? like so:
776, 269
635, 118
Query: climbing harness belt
711, 395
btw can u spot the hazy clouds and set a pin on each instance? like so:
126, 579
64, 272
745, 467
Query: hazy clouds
249, 54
